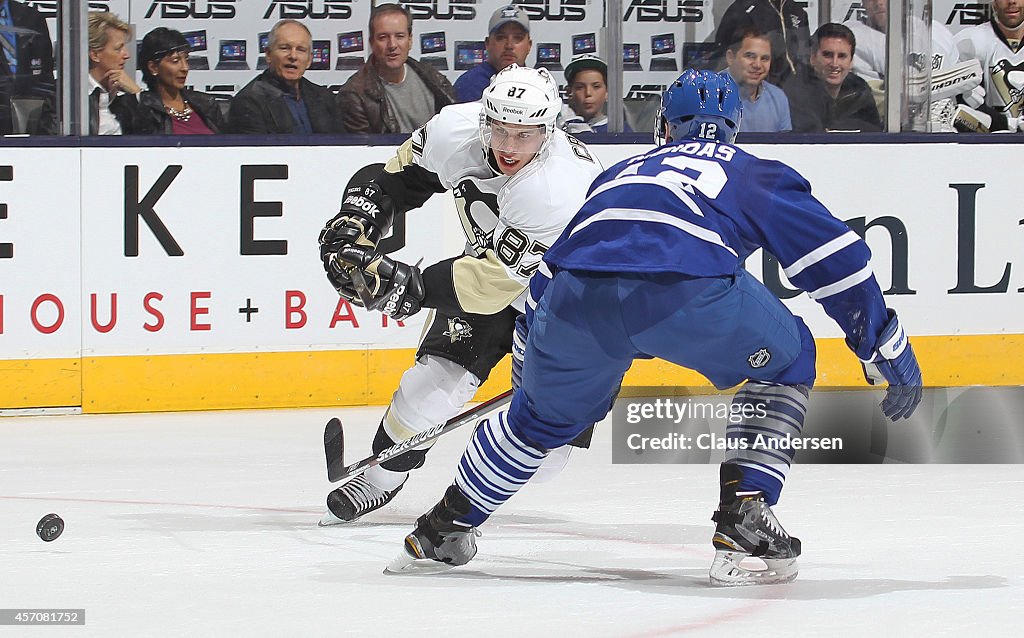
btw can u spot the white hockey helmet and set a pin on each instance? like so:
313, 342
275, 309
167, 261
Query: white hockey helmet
521, 96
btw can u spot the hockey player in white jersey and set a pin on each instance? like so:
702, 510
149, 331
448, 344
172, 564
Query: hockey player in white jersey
517, 181
651, 266
997, 45
950, 79
870, 56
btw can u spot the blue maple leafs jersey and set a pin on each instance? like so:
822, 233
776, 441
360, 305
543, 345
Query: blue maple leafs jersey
701, 208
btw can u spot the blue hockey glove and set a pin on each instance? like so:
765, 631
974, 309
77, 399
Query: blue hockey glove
894, 362
518, 351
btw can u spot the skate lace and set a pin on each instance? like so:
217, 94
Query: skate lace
363, 493
772, 523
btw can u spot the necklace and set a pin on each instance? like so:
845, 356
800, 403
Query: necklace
182, 115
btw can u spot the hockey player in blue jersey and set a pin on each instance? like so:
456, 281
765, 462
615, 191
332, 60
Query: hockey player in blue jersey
651, 267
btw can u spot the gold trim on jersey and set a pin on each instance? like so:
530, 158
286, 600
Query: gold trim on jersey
482, 285
403, 157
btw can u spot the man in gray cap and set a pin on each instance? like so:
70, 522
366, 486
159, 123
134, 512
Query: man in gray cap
508, 41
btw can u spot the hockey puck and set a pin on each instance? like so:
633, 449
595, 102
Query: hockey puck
50, 527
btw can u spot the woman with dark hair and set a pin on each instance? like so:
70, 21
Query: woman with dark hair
168, 108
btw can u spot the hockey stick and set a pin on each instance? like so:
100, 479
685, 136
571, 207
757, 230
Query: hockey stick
363, 290
334, 440
359, 283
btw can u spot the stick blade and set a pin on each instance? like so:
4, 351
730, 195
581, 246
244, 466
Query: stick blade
334, 449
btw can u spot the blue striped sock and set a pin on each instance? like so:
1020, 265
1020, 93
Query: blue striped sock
494, 466
783, 408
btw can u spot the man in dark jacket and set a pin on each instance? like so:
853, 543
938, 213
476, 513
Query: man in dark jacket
281, 100
26, 59
392, 93
825, 96
784, 22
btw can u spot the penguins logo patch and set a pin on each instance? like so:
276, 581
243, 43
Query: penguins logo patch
458, 329
760, 358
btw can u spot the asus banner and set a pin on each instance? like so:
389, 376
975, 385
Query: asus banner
660, 37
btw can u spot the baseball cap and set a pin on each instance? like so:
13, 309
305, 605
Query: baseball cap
506, 14
582, 62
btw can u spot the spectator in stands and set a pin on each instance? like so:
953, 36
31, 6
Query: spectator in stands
765, 106
825, 96
997, 45
784, 22
586, 79
113, 93
280, 100
870, 57
26, 64
508, 41
168, 108
392, 93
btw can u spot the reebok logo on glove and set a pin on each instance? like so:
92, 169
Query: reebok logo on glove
391, 305
360, 202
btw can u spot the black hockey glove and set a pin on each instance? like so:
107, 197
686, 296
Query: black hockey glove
396, 288
340, 275
894, 362
366, 215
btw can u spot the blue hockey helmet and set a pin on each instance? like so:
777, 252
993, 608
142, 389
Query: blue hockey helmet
700, 105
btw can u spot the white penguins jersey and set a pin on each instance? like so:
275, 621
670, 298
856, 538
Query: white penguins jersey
509, 222
869, 54
1003, 61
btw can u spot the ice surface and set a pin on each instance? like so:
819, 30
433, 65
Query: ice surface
205, 524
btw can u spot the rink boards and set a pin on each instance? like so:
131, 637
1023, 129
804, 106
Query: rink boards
189, 278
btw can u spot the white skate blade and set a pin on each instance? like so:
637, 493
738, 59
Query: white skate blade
406, 565
726, 570
329, 519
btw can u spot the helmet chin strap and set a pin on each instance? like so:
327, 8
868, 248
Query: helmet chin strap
1006, 26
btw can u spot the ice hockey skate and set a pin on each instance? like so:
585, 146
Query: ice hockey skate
438, 543
747, 529
355, 499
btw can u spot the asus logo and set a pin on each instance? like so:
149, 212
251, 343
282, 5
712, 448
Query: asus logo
49, 9
223, 10
665, 10
855, 12
638, 91
322, 10
554, 10
968, 13
442, 9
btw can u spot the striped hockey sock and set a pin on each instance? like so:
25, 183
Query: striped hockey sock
493, 468
778, 411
